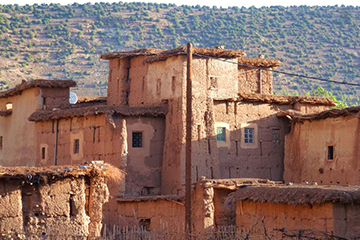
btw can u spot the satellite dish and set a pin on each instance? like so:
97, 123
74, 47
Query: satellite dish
73, 98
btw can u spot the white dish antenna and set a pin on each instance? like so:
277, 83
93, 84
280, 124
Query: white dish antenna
73, 98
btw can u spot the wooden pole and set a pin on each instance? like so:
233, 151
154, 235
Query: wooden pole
188, 142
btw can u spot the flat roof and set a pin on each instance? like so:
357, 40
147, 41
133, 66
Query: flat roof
41, 83
47, 115
267, 98
297, 194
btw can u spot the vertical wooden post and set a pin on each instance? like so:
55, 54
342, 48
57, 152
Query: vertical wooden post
188, 142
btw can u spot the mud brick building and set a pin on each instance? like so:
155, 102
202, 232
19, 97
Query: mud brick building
238, 128
323, 148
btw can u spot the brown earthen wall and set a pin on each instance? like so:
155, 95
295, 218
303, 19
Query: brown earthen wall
249, 80
306, 151
144, 164
118, 82
163, 214
258, 217
55, 98
346, 220
224, 211
18, 134
100, 140
46, 210
263, 158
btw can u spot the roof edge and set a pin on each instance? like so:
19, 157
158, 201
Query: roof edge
41, 83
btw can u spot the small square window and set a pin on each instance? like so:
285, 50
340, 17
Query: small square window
249, 135
76, 146
137, 139
221, 134
330, 153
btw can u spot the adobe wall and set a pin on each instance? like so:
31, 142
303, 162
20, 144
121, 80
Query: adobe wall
118, 82
136, 83
249, 80
144, 165
309, 108
133, 82
66, 208
160, 214
55, 98
100, 139
306, 150
237, 159
346, 220
18, 134
257, 217
224, 212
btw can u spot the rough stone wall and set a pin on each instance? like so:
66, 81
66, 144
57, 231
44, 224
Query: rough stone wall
256, 217
306, 151
249, 80
47, 210
18, 134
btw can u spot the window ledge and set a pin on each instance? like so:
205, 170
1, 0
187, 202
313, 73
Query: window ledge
5, 113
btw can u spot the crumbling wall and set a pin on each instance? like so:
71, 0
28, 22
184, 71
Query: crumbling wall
224, 211
306, 151
62, 208
268, 219
202, 215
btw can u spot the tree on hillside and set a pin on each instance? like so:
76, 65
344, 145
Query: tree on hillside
321, 92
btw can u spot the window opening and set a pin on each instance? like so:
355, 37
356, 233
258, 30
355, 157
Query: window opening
137, 140
330, 152
173, 84
220, 134
76, 146
9, 106
213, 82
249, 135
43, 151
145, 224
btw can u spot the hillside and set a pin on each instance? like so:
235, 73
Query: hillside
64, 42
